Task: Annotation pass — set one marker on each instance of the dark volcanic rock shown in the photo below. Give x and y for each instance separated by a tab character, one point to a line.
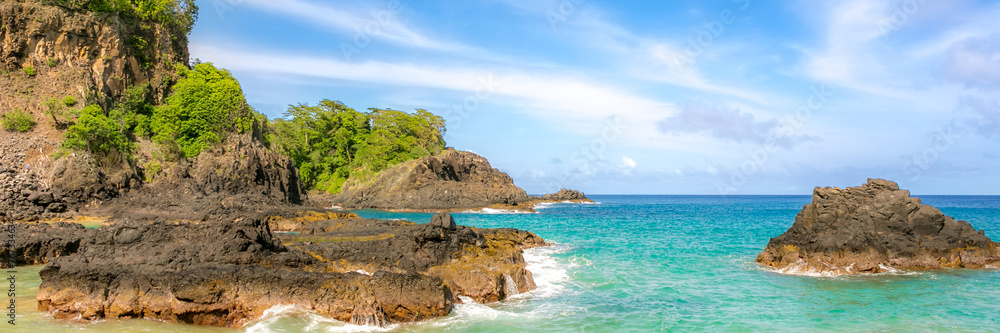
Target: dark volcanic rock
873	227
37	243
484	264
443	220
450	180
221	273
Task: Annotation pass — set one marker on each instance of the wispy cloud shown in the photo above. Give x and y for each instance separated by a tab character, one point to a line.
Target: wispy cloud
974	62
729	125
372	22
562	98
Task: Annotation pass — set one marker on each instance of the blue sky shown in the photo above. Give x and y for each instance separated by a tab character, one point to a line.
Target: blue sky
628	97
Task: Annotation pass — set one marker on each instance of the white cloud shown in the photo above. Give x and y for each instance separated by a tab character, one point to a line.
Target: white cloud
628	162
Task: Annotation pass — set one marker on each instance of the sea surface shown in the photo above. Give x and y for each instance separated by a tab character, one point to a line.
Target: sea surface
662	263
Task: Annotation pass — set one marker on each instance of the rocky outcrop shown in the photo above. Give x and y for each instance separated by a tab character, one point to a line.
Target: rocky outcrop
486	265
450	180
240	174
565	195
37	243
873	228
223	273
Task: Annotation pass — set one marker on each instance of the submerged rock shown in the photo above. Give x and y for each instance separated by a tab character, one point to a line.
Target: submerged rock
873	228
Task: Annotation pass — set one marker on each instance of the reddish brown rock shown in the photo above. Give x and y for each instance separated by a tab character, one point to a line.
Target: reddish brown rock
873	228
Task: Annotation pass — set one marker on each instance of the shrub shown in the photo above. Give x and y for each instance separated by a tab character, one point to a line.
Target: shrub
18	121
178	13
95	133
29	71
52	62
69	101
207	104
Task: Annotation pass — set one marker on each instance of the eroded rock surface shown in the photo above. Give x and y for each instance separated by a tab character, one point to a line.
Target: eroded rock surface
873	228
222	273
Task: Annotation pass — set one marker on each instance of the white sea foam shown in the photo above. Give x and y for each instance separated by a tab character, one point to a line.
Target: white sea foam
314	321
800	268
493	211
549	274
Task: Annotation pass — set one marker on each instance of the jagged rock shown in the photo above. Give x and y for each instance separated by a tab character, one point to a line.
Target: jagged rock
443	220
484	264
450	180
222	273
874	227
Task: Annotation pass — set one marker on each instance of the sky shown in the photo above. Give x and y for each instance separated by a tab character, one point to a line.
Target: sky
726	97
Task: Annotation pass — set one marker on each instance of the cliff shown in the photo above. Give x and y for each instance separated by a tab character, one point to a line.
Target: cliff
95	58
873	228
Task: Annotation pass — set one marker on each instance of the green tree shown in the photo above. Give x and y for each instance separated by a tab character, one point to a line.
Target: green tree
94	132
331	142
206	105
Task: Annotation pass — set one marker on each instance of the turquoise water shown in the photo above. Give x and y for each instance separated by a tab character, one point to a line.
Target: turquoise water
681	263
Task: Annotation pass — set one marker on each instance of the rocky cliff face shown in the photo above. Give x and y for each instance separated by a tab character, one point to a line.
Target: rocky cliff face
450	180
872	228
92	57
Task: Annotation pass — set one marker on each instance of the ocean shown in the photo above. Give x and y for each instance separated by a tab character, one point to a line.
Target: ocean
663	263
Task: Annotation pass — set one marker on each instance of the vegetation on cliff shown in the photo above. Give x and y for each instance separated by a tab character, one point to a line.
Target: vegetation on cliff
178	13
331	142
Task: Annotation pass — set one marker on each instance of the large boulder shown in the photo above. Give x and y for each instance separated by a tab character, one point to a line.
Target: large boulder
443	220
873	228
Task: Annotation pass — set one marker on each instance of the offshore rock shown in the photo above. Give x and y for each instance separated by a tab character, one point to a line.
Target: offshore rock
875	228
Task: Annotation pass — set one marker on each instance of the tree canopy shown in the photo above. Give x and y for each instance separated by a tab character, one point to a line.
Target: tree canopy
331	142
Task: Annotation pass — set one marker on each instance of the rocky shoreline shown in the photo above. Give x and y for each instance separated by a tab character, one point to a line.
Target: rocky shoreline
229	269
875	228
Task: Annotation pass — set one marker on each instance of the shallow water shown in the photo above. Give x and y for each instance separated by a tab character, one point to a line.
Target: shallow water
670	263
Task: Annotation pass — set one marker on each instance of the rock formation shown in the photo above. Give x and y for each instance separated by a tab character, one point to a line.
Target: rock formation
452	180
222	273
873	228
486	265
